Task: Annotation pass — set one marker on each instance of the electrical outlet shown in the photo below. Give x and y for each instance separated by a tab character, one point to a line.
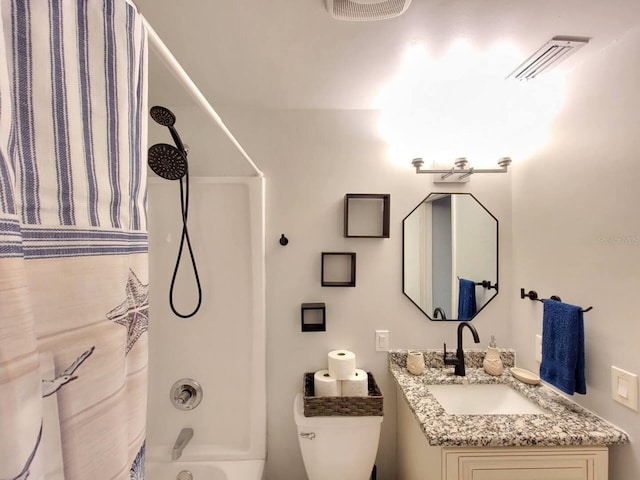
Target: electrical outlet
538	348
382	340
624	388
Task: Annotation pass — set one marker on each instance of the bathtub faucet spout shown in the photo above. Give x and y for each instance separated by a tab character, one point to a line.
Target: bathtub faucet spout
183	438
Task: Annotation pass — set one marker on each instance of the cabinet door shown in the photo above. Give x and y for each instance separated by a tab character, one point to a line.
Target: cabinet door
525	464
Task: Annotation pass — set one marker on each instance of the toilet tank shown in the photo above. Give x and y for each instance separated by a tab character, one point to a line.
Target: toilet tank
337	447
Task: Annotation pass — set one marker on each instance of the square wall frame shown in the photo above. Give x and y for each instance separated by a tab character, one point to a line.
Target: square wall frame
313	317
367	215
338	269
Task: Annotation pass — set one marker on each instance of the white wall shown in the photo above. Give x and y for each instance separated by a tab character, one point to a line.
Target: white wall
415	258
573	205
576	230
311	159
475	246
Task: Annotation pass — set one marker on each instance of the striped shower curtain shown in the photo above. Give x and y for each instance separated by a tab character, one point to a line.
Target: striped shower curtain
73	241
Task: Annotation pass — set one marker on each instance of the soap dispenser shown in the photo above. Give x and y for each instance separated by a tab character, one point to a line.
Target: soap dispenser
492	362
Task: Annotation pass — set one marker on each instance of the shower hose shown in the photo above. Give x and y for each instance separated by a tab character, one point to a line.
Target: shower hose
184	207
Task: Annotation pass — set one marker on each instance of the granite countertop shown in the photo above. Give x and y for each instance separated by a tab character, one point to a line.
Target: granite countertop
567	423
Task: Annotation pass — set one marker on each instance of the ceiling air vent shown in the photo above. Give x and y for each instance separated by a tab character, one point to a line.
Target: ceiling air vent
366	10
550	54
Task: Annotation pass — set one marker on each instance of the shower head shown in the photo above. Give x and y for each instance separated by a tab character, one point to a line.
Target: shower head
167	161
166	118
163	116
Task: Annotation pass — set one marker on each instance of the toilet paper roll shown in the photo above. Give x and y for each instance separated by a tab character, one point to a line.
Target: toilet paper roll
342	364
325	385
357	385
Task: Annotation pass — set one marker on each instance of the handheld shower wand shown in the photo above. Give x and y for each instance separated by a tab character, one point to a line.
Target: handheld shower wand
166	118
170	163
167	161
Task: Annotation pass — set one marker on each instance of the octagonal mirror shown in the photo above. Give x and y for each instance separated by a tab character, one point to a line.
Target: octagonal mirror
450	256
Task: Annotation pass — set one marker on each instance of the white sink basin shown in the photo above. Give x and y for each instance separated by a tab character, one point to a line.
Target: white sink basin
483	399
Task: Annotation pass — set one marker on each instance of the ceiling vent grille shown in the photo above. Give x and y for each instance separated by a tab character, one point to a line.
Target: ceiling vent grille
366	10
550	54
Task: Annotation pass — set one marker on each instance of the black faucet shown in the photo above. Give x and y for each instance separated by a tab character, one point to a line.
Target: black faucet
439	311
458	360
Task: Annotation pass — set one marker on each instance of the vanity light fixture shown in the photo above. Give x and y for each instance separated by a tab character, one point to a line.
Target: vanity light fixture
460	172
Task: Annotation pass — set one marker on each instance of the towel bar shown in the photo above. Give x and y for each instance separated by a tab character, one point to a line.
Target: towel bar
486	284
533	295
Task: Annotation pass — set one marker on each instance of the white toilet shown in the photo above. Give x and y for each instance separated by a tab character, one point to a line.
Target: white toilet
336	447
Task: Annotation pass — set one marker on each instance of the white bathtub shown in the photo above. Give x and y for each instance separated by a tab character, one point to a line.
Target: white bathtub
223	470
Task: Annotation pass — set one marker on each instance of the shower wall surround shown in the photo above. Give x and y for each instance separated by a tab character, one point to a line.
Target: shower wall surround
222	346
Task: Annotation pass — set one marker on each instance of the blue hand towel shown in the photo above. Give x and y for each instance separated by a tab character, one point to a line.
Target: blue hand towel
466	299
563	347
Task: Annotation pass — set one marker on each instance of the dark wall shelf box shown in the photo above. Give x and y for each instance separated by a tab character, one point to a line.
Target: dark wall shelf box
313	317
338	269
367	215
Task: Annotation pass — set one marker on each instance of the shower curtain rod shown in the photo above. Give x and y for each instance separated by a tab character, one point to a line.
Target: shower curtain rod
172	63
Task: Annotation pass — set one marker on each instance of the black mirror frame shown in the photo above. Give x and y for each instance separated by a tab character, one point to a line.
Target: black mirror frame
497	256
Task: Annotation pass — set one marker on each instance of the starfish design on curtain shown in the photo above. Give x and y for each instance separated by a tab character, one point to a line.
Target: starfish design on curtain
137	467
133	313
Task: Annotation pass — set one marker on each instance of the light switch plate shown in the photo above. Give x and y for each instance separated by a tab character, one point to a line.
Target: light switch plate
382	340
624	388
539	348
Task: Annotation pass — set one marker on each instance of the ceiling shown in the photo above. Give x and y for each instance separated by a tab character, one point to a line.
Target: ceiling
293	54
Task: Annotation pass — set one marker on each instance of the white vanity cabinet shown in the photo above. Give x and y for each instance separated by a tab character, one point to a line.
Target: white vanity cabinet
525	463
417	460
